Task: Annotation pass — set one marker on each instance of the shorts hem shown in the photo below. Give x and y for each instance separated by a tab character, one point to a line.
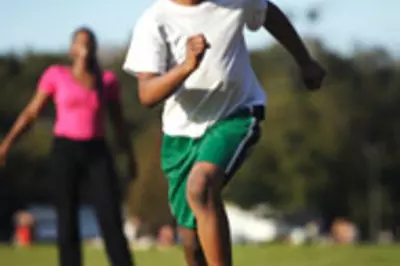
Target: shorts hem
187	226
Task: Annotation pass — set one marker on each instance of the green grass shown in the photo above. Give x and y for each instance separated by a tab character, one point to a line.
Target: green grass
243	256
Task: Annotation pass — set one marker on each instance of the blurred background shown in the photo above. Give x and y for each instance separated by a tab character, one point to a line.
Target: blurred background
327	169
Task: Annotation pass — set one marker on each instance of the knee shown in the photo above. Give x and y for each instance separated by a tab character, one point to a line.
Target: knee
200	189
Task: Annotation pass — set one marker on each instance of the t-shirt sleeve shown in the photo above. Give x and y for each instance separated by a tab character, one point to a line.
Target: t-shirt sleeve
113	91
147	50
255	11
47	82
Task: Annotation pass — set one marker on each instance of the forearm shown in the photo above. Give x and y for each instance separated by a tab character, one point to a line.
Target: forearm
281	28
119	126
157	88
121	133
19	127
124	141
127	148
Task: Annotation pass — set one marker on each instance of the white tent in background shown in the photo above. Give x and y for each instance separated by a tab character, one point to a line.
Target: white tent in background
247	227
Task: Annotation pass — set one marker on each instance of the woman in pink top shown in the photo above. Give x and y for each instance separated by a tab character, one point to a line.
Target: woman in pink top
82	95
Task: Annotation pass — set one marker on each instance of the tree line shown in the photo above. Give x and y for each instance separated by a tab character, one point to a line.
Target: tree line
335	150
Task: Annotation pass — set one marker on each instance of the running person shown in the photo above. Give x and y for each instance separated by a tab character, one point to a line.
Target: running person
192	54
82	94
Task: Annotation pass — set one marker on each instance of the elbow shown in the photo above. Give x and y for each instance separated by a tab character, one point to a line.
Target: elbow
146	99
27	117
30	115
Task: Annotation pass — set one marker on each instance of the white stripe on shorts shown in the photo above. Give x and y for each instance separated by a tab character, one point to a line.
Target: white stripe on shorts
241	146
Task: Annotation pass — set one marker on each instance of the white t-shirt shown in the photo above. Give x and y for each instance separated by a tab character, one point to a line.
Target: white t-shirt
224	81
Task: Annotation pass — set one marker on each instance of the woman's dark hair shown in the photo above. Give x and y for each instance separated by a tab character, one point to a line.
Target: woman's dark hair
92	45
93	63
89	32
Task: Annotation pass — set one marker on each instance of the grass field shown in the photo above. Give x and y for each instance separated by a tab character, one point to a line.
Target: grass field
244	256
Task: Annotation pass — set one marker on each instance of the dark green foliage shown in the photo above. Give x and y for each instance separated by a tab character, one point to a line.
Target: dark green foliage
319	150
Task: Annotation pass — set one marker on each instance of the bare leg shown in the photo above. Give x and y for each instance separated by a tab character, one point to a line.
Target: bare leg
204	197
191	247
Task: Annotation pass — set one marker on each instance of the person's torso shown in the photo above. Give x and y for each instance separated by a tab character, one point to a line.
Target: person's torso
79	110
224	81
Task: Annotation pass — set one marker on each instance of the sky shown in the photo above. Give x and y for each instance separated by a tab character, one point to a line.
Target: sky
46	25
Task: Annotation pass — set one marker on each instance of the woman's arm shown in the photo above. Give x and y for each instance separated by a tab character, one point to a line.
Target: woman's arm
122	133
26	117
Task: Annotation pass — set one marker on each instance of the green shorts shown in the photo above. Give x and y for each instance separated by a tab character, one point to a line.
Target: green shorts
225	144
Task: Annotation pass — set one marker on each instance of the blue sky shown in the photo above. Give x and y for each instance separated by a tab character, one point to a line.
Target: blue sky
47	24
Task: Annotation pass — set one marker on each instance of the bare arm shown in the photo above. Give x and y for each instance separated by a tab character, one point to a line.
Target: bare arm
122	133
154	88
27	116
281	28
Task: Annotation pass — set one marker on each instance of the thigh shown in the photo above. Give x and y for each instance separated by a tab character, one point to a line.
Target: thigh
178	155
227	144
219	153
64	171
103	183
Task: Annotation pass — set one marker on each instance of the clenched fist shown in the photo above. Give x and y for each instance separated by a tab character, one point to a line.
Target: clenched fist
195	48
312	74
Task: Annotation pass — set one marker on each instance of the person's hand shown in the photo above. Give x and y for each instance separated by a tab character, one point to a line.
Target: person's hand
195	48
3	153
312	74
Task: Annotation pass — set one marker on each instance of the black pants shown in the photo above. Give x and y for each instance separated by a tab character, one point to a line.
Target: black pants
71	162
